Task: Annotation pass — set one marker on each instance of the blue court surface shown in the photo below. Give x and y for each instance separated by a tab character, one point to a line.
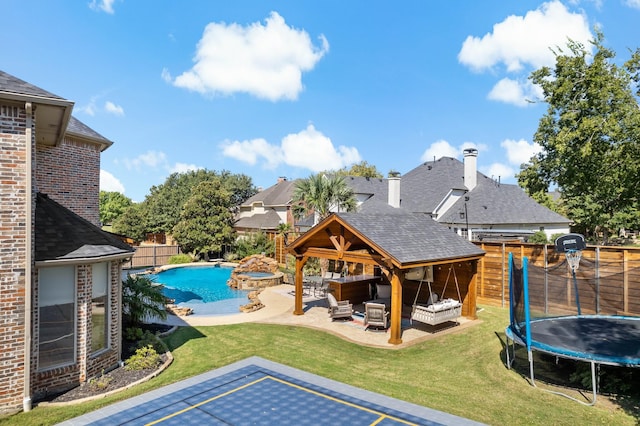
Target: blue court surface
260	392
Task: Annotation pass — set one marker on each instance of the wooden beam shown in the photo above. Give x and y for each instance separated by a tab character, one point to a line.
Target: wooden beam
300	261
395	337
356	257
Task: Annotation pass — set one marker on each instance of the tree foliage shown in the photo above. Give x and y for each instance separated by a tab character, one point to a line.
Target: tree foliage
322	194
206	220
590	137
112	205
132	222
254	243
362	169
164	202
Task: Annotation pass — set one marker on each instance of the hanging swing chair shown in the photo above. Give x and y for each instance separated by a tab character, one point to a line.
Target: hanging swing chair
438	309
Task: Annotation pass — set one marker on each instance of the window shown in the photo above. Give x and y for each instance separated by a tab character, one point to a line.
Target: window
100	307
57	308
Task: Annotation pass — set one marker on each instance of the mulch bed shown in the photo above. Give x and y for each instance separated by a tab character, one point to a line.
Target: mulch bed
114	379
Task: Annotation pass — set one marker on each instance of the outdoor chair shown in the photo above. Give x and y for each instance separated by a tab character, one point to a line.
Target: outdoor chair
341	309
375	315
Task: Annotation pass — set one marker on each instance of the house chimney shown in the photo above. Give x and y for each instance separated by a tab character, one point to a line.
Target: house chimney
282	179
470	168
394	190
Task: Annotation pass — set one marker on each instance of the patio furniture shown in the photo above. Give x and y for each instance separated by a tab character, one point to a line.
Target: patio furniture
323	287
341	309
375	315
437	311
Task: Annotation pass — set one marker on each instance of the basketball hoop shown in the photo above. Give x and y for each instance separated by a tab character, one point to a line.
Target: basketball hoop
572	245
573	259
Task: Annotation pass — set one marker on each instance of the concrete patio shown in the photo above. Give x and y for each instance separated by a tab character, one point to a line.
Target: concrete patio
279	305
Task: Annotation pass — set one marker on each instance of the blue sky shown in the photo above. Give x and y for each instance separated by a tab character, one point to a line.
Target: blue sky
290	88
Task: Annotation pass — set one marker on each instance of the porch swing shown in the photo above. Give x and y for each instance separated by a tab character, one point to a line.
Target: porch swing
438	310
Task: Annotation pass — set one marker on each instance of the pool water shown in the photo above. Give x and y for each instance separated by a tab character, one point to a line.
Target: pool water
202	288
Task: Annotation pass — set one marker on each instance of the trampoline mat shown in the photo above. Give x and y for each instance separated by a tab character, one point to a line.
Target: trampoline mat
605	339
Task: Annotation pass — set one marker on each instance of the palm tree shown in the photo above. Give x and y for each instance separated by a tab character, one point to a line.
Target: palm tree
322	194
142	299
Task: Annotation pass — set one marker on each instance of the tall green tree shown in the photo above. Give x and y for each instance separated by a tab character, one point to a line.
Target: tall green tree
132	222
590	137
206	221
322	194
112	205
164	202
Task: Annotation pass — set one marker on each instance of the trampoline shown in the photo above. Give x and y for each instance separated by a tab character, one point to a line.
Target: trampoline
596	339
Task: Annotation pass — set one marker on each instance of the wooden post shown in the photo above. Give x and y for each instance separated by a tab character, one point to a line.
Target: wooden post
472	293
298	284
396	307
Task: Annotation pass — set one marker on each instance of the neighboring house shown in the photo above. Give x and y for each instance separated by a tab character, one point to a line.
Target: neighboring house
267	209
455	194
60	274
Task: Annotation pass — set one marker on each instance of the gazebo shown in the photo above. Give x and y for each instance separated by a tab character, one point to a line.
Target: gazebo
392	244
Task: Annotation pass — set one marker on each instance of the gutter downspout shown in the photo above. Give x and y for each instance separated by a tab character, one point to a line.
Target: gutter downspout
28	274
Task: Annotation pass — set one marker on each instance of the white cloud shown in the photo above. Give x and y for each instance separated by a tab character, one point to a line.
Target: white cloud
442	148
114	109
439	149
109	182
308	149
266	61
312	150
526	40
102	5
183	168
520	151
150	159
498	171
251	151
633	3
519	93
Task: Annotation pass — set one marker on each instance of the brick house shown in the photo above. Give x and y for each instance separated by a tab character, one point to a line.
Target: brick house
60	274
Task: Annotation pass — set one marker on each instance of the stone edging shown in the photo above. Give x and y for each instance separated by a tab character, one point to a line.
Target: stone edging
129	386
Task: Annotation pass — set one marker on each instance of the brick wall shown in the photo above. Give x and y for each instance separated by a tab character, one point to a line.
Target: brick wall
13	219
70	175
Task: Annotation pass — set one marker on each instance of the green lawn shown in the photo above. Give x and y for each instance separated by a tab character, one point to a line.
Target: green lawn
461	373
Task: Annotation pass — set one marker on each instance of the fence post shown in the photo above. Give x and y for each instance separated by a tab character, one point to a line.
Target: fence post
597	272
546	279
625	281
503	277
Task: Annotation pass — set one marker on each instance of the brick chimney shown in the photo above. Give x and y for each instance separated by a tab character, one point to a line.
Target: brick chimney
282	179
470	168
394	191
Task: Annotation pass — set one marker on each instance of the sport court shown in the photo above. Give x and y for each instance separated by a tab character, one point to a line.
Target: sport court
260	392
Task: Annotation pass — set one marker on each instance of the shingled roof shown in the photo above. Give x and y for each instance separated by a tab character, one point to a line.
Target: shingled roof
79	129
411	238
61	234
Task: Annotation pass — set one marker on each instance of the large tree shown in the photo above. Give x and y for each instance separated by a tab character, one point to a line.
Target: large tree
112	205
206	220
164	202
132	222
590	137
321	194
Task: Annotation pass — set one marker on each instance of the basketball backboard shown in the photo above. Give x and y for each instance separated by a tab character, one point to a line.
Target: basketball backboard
570	242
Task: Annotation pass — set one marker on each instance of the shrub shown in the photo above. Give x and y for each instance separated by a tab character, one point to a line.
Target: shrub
142	299
180	258
100	382
133	333
538	238
144	358
255	243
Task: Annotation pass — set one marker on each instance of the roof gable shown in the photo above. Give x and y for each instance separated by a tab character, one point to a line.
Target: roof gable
276	195
404	239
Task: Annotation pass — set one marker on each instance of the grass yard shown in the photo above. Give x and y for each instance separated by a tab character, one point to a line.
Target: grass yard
461	373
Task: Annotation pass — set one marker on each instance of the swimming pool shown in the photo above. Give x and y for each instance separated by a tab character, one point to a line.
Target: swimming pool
202	288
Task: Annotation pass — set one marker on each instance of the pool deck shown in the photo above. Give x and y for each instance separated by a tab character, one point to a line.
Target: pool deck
279	304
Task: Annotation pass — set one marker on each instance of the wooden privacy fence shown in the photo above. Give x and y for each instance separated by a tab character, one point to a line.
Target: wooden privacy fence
146	256
613	273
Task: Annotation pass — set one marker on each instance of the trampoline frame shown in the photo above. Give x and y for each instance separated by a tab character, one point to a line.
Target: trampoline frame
530	344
